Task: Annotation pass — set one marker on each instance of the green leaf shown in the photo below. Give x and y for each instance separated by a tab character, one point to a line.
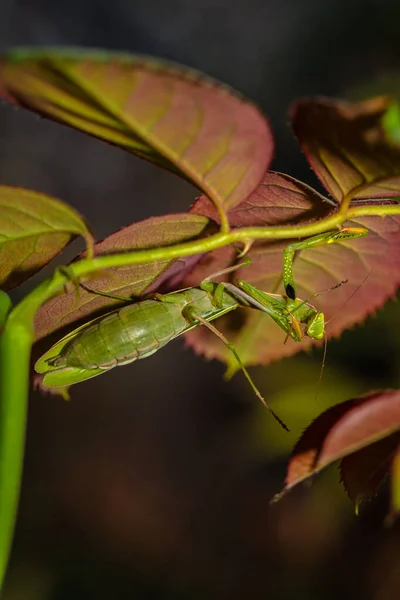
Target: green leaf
128	281
348	148
34	228
165	113
342	430
370	264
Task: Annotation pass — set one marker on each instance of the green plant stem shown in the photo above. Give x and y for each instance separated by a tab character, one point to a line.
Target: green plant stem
245	234
87	266
15	346
16	339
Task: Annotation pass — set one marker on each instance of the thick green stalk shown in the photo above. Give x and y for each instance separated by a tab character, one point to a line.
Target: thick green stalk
16	339
15	346
87	266
219	240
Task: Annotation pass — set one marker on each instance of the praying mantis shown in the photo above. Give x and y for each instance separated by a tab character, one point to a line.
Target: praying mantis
137	330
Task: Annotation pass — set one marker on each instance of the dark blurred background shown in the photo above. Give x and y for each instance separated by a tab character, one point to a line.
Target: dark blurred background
154	482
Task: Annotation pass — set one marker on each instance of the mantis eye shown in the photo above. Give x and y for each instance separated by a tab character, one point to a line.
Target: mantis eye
316	327
290	291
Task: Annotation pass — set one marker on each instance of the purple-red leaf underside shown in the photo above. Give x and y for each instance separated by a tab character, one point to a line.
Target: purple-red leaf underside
128	281
346	145
362	472
342	430
370	264
168	114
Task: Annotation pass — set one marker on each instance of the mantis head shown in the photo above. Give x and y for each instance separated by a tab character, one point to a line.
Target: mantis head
316	326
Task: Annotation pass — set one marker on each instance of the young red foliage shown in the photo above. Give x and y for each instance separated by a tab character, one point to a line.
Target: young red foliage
363	433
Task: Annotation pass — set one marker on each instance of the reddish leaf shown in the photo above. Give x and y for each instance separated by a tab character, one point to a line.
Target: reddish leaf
363	471
165	113
124	281
347	147
34	228
343	430
279	200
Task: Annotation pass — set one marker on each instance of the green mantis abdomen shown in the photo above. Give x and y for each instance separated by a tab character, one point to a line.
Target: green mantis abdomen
131	333
136	331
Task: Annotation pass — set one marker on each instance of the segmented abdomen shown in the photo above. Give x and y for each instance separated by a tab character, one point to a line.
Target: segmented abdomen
133	332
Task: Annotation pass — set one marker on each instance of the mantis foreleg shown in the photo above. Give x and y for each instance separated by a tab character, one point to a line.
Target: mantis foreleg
321	239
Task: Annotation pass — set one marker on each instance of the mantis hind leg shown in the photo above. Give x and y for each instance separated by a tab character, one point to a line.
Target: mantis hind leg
330	237
194	316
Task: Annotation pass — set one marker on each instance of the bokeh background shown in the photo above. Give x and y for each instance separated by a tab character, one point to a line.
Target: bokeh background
155	481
